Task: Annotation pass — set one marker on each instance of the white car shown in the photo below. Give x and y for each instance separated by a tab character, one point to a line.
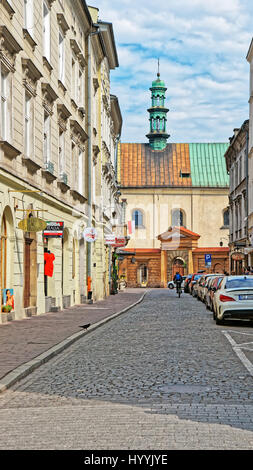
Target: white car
172	284
234	299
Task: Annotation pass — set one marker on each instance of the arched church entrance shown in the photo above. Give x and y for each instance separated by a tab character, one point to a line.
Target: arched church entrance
178	266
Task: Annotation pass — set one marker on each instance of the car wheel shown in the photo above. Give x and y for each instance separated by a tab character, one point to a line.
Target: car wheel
214	314
171	286
219	321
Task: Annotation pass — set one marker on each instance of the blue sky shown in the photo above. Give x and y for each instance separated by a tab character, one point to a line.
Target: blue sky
202	46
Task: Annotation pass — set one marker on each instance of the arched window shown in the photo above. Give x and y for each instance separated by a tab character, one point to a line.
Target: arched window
177	218
226	218
137	217
157	123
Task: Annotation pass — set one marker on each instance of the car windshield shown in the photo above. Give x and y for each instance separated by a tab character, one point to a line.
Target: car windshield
197	277
240	282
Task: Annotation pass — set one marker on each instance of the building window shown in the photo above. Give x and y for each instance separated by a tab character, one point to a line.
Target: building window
47	138
6	104
177	218
137	217
80	88
73	258
80	171
46	31
226	218
73	80
29	124
61	152
61	57
28	16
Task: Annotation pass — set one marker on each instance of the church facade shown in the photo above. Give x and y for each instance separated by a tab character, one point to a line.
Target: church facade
177	203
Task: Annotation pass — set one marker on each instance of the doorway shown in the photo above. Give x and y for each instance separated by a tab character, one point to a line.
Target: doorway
143	275
178	266
30	270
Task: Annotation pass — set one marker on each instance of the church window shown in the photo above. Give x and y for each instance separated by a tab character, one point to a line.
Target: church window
226	218
137	217
177	218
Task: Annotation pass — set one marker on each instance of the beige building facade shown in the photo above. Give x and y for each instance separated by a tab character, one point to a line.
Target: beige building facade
52	57
250	157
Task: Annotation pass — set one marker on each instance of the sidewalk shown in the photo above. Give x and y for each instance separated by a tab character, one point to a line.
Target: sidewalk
26	344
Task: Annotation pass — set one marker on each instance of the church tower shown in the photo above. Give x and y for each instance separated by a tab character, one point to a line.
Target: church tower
158	135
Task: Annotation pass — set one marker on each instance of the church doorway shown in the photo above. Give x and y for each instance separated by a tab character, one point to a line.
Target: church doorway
178	266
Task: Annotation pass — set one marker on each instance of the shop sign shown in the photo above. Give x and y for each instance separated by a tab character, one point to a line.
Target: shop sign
110	239
90	234
54	229
237	256
119	242
32	224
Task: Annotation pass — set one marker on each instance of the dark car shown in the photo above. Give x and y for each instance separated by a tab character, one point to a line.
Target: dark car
187	282
193	280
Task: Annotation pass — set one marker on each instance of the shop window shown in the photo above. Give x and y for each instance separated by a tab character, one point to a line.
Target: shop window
3	252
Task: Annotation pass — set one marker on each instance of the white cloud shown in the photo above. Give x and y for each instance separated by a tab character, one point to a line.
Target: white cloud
202	47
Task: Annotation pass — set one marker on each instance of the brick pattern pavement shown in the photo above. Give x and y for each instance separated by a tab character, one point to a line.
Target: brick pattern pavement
161	376
23	340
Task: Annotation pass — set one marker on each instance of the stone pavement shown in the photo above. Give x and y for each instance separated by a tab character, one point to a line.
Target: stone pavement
26	344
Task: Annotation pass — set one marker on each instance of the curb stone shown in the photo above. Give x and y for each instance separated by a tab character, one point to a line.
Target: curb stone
25	369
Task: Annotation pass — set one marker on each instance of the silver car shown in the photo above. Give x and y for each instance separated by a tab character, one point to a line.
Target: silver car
234	299
172	284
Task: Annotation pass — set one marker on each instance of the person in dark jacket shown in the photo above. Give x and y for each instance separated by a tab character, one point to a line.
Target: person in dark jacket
178	280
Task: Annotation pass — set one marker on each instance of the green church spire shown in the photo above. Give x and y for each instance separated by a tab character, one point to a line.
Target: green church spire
157	135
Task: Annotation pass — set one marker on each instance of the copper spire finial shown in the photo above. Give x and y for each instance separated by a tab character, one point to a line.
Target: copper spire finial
158	73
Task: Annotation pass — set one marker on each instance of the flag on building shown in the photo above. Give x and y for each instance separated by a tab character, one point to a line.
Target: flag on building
131	226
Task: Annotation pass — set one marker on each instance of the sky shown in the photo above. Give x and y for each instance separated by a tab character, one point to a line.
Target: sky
202	47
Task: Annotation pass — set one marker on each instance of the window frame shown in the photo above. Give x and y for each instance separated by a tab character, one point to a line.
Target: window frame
138	225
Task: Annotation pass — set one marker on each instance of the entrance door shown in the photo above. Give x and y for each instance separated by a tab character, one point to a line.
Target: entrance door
178	266
27	271
143	275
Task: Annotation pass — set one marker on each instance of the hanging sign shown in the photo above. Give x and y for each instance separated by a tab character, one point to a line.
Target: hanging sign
32	224
237	256
54	229
119	242
90	234
110	239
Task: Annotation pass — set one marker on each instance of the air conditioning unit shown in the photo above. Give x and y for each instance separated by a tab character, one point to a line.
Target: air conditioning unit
49	166
63	178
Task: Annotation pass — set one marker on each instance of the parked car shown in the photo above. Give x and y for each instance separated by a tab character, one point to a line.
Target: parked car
204	286
212	287
234	299
172	284
187	282
195	288
193	280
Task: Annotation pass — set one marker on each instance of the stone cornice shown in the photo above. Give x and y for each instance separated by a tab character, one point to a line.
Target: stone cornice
9	47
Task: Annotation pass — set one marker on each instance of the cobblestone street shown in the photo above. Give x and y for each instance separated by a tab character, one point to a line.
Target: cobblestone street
161	376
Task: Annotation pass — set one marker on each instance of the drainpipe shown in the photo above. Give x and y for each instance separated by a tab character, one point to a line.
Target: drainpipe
89	246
